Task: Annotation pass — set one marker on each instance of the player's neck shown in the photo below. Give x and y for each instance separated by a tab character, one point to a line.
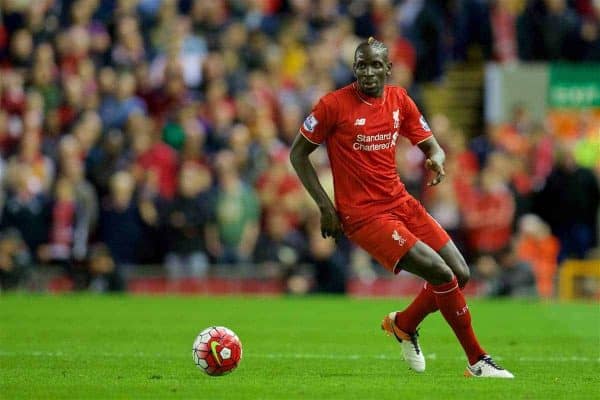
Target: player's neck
367	98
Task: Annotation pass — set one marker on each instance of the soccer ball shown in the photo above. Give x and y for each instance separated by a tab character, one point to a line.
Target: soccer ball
217	350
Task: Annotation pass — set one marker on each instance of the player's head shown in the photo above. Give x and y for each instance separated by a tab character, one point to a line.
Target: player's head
371	67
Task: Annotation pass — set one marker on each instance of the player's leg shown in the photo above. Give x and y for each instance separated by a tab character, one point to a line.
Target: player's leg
387	240
455	260
424	227
425	262
425	303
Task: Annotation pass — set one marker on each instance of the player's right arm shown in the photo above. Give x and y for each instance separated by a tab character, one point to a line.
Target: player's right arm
299	156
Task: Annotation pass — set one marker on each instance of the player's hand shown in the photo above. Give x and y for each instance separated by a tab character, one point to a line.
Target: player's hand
436	167
330	223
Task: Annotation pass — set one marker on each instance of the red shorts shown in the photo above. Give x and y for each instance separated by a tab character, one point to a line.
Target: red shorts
390	235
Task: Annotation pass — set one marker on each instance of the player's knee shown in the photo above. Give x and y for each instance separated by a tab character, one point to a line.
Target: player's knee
441	274
463	275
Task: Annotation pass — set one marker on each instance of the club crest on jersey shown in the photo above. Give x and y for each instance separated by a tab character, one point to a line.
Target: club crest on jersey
397	237
396	116
310	122
424	124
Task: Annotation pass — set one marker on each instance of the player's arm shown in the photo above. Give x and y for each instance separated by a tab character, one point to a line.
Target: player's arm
435	158
301	149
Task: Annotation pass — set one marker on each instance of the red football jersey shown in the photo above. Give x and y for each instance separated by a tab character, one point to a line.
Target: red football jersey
360	133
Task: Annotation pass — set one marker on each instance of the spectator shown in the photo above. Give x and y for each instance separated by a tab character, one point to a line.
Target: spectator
121	226
15	260
539	248
26	210
103	274
186	218
506	275
233	230
488	211
569	202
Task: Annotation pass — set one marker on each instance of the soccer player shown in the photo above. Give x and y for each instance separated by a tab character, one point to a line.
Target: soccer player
360	124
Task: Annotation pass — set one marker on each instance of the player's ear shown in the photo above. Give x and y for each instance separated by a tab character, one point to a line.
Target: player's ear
388	71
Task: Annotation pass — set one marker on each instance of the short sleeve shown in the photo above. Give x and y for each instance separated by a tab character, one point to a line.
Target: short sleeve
319	123
414	127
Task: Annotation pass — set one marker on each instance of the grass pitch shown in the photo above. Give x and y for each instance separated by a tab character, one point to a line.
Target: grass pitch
83	346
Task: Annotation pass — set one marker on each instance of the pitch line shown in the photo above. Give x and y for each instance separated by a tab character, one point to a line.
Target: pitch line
298	356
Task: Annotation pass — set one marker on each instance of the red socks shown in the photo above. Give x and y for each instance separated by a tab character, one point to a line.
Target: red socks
453	307
423	304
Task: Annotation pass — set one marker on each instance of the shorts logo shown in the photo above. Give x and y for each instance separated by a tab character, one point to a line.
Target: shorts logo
360	122
309	123
424	124
396	236
396	117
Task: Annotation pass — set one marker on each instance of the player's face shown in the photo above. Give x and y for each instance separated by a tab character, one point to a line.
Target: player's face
371	68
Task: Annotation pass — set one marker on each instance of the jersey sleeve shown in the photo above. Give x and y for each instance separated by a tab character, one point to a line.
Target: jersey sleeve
414	127
320	122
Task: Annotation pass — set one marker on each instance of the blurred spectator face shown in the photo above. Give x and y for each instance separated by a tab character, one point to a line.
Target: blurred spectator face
277	226
35	101
214	67
79	40
88	130
235	36
126	86
22	45
44	53
555	6
141	142
64	190
3	122
402	75
30	147
487	267
565	158
193	180
108	80
114	142
42	74
82	10
69	148
73	91
533	226
32	122
491	181
122	186
73	169
291	119
100	260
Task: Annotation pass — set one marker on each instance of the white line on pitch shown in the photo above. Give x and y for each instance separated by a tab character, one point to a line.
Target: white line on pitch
299	356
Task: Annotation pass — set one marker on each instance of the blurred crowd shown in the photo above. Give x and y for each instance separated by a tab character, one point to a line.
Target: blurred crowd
157	132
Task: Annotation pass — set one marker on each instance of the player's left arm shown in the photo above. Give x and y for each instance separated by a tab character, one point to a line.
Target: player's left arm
435	158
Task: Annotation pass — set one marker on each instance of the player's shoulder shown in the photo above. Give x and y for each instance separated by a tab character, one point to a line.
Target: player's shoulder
396	90
339	96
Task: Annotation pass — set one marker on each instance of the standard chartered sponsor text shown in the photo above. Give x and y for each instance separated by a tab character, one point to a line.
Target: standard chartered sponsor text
365	142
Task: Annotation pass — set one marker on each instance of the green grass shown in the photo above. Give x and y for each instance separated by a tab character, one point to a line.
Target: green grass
82	346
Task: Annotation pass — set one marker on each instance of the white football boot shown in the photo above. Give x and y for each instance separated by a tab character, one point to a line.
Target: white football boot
411	351
487	368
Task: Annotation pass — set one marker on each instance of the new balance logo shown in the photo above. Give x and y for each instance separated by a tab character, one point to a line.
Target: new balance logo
396	236
360	122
